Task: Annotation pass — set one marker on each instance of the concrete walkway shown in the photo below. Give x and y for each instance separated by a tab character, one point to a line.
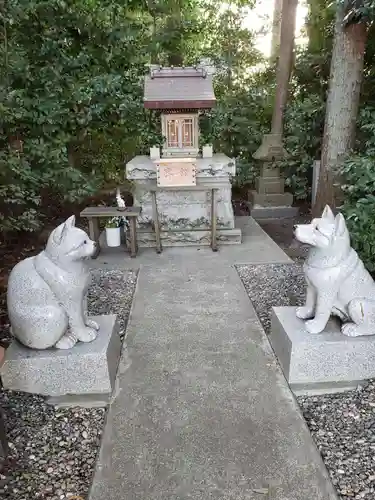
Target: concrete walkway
202	410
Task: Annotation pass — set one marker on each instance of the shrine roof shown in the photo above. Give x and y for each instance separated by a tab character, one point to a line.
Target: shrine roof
178	88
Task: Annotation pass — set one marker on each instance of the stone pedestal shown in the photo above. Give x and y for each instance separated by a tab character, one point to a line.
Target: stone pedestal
270	200
324	363
88	370
185	216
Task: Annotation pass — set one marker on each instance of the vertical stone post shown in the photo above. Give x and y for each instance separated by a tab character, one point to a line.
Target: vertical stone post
269	199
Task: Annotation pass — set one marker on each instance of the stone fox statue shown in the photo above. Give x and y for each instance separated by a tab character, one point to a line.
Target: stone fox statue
47	293
337	281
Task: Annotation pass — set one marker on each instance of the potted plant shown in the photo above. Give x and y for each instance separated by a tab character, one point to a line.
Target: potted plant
112	231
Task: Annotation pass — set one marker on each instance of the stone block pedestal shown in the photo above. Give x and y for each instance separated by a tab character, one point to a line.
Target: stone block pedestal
325	363
88	370
185	216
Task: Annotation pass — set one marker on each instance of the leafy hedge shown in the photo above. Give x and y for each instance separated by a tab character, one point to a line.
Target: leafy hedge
358	176
70	102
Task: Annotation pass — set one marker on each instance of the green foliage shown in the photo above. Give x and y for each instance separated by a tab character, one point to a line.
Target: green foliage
304	122
228	45
71	101
114	222
71	96
71	90
244	99
240	120
358	175
320	25
178	30
358	11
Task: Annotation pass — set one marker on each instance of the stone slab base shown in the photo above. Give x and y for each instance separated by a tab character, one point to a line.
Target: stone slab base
271	199
82	400
146	239
86	369
259	212
324	363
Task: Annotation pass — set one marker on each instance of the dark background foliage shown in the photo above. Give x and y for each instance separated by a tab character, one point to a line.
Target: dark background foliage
71	99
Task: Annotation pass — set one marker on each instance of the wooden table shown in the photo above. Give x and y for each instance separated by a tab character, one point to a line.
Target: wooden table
155	215
93	214
4	447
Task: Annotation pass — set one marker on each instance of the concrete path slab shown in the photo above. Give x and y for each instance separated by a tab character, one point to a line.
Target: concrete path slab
202	410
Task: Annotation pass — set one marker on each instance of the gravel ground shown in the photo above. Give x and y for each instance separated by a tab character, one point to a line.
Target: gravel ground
270	285
53	451
342	425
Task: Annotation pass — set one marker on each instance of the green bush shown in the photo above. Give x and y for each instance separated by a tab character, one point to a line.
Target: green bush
237	125
358	184
71	102
304	121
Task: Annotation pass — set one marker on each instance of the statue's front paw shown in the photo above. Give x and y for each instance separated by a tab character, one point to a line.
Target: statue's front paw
314	326
350	330
86	334
92	324
67	341
304	312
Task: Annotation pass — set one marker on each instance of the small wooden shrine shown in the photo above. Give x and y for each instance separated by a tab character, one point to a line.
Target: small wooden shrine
179	93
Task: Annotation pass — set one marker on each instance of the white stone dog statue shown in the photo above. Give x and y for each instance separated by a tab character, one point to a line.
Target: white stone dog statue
337	281
47	293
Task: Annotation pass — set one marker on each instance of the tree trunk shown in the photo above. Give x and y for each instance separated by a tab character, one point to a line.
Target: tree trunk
284	66
276	28
342	106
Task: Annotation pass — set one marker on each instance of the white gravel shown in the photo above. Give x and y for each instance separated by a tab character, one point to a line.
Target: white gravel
342	425
53	451
271	285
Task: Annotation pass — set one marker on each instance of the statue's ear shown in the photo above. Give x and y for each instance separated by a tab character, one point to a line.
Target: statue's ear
60	232
328	214
340	224
70	222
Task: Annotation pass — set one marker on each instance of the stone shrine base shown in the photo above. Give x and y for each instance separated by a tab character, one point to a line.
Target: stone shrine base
264	212
189	238
185	215
324	363
82	376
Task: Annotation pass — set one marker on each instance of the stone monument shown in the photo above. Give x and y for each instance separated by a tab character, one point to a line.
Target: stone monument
314	349
270	200
179	94
58	349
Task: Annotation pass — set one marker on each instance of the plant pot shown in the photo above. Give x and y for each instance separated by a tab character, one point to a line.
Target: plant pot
207	151
113	236
155	153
